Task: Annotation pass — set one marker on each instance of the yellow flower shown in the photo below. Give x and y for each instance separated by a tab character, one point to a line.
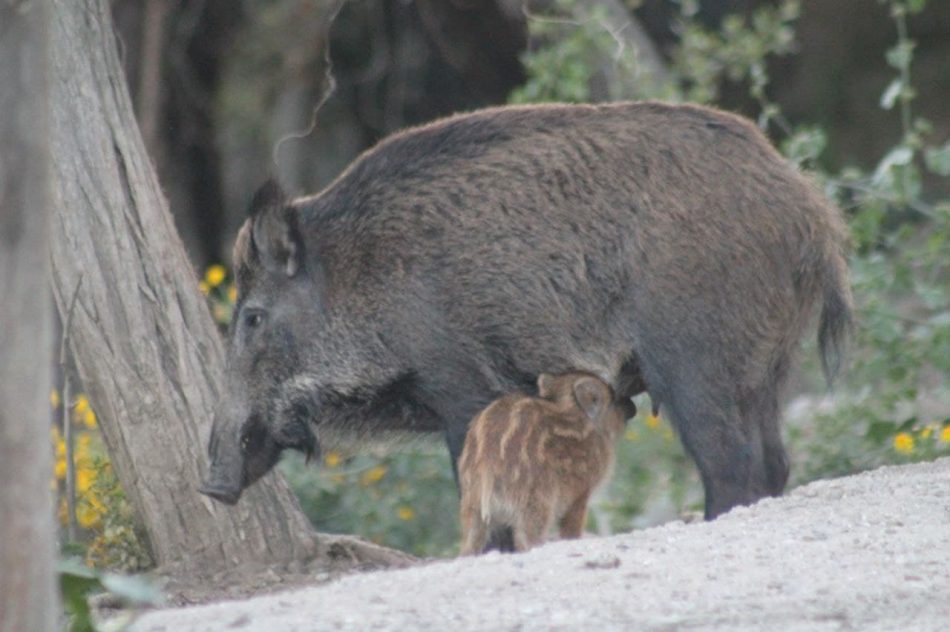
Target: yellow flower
405	513
632	435
60	449
214	275
232	293
83	442
84	479
81	405
926	432
54	434
332	459
652	421
60	469
945	434
89	419
87	516
203	287
373	475
54	398
83	460
904	442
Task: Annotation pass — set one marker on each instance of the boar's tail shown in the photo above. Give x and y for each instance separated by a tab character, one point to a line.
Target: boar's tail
836	314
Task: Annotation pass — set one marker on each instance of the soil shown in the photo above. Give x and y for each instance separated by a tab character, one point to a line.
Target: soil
865	552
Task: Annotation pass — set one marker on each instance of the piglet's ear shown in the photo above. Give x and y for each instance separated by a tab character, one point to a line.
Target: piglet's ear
592	396
275	233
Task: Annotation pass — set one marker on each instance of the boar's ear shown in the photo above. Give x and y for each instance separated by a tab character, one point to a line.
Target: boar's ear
546	386
591	396
275	234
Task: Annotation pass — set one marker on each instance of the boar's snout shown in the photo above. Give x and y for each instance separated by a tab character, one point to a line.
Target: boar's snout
220	492
223	483
226	473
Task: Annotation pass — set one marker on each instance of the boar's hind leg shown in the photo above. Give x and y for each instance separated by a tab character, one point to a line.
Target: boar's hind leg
729	455
760	410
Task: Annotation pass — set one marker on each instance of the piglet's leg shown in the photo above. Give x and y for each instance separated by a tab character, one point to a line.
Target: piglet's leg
474	530
534	524
575	518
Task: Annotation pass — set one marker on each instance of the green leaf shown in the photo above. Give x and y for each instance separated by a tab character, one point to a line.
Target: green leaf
75	582
899	56
880	431
805	144
897	157
938	160
135	590
889	98
908	425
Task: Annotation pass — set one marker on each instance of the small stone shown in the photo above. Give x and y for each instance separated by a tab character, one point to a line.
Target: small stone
240	622
605	560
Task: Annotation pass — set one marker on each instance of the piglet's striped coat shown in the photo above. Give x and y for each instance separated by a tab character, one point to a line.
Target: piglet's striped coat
531	462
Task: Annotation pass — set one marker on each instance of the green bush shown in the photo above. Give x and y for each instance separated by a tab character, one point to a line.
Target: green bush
405	499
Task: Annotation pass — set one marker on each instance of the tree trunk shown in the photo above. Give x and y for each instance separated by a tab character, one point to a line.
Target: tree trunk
27	597
141	335
172	54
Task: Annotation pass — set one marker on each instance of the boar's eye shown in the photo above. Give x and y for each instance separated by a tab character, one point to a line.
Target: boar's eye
253	318
252	437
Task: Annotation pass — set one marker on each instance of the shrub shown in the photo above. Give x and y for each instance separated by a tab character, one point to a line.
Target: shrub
107	535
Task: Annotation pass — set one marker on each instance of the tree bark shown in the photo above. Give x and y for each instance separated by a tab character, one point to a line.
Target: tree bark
28	600
142	338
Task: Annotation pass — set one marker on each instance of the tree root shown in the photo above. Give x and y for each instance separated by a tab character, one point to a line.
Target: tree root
329	557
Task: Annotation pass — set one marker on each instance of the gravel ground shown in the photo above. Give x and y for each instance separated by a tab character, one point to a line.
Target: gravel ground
865	552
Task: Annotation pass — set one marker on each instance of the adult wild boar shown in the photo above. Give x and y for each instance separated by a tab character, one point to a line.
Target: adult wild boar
666	248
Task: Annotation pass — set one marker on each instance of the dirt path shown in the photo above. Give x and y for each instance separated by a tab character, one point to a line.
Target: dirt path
866	552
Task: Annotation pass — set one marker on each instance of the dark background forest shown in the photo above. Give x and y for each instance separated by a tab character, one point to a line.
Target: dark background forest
217	83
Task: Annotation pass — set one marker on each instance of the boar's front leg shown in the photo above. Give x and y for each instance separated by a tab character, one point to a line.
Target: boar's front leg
457	409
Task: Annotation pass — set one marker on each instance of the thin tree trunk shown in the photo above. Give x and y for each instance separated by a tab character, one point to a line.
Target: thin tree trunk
27	597
627	32
142	338
150	74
